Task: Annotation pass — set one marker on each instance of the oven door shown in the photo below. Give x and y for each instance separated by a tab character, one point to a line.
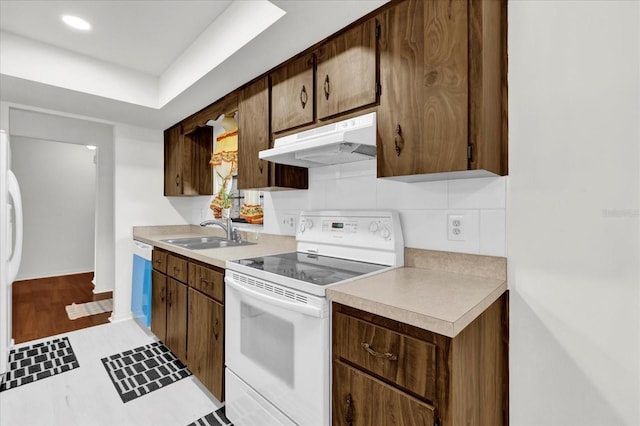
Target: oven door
277	342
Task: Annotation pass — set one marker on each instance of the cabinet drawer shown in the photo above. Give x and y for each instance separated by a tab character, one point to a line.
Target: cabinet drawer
207	280
177	268
405	361
159	259
361	400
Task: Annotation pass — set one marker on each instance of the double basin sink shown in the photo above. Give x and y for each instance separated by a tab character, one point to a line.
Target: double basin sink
202	243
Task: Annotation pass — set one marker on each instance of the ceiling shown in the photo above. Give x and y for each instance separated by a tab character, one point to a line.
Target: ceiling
152	63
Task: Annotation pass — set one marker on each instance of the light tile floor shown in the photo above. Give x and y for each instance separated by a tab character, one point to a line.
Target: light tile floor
86	395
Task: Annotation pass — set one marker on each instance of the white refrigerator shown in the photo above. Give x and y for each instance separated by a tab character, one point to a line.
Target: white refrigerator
10	243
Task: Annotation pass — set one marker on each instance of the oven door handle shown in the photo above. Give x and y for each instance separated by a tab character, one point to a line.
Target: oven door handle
312	311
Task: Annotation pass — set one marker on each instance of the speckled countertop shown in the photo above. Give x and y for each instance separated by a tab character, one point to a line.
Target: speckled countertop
442	302
438	291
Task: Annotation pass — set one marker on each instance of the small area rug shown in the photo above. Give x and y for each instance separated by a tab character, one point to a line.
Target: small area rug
75	311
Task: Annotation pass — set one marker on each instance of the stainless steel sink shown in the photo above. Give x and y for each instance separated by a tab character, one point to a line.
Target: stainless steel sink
202	243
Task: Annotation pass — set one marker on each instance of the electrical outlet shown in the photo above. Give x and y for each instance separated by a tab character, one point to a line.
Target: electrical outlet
455	227
289	222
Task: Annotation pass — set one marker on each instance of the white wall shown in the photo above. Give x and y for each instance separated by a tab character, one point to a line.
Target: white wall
573	219
423	207
57	181
139	201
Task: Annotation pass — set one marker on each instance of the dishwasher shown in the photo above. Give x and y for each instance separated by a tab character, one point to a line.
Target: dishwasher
141	283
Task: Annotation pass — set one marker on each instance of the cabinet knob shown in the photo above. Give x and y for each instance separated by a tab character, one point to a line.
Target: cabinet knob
398	140
303	97
327	87
348	411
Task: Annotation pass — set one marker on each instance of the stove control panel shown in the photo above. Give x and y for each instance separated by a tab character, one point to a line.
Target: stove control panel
361	234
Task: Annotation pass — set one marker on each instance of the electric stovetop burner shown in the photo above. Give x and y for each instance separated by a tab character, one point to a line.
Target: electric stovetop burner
310	268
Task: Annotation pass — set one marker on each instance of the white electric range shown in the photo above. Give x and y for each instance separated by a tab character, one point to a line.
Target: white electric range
277	320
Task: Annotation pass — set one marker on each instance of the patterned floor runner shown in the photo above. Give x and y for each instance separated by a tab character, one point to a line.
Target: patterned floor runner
218	418
138	371
38	361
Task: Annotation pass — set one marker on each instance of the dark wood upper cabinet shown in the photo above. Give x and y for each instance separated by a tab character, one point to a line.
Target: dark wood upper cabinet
292	96
186	156
443	78
188	146
254	136
346	71
434	71
173	160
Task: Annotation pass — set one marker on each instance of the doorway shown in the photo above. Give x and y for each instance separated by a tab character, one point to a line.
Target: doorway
58	185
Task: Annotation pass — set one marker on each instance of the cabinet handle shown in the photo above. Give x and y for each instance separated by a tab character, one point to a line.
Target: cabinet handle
203	281
260	165
387	355
398	140
157	261
348	411
327	87
303	97
216	329
178	179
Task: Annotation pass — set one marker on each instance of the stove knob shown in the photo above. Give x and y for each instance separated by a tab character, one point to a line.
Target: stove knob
385	233
309	223
373	227
301	226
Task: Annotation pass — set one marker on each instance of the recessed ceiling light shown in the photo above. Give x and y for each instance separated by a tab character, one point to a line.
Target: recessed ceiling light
77	23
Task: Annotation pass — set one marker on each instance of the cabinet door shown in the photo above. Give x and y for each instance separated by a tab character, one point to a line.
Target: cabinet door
292	94
197	173
361	400
173	178
177	319
346	74
205	352
159	305
253	135
423	113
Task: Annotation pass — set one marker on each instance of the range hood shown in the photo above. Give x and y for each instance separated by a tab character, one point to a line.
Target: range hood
345	141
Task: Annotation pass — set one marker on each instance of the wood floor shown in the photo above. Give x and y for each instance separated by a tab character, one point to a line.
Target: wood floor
38	306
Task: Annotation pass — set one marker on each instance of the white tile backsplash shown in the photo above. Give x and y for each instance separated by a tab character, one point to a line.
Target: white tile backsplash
493	232
480	193
423	206
397	195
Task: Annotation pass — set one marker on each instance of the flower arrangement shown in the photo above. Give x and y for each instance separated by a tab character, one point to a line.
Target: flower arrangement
223	199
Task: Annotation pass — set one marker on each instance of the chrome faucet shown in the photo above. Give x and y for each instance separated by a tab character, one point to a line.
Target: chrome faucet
232	233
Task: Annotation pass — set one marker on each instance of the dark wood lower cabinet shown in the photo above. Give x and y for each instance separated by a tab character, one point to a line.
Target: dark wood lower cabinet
360	399
187	315
159	305
389	373
176	339
205	342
